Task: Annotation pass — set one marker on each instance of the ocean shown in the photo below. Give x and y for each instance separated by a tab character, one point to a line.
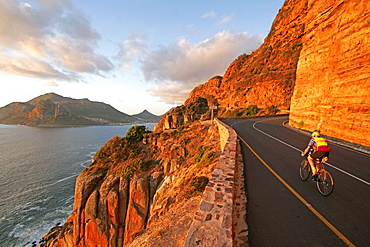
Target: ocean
38	169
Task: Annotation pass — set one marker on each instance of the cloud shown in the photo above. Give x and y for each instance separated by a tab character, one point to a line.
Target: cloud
32	67
209	14
133	46
176	69
50	40
225	19
51	84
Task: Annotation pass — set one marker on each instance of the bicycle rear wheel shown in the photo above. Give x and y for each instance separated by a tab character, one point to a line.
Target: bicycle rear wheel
325	183
304	170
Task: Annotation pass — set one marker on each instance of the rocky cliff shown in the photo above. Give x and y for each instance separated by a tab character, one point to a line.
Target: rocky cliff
314	62
133	189
332	91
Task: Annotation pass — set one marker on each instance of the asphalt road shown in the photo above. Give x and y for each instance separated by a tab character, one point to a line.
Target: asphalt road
301	216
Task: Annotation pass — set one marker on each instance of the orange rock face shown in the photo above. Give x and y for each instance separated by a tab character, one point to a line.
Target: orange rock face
332	89
116	198
138	207
266	77
314	62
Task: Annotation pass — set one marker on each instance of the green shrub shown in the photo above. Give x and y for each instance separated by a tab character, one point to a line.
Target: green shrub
115	150
208	157
199	183
199	155
136	166
251	110
272	109
204	155
136	133
207	115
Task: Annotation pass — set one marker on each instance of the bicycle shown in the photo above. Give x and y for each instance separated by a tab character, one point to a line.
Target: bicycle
324	181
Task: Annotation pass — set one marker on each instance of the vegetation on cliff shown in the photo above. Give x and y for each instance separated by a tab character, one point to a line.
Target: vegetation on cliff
141	186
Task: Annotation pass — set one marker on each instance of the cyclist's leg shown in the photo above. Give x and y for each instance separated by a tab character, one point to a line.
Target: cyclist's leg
312	164
320	155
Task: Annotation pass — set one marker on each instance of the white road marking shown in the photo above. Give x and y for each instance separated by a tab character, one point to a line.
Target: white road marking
299	150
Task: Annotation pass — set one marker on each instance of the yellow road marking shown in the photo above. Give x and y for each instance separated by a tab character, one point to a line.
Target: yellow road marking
309	206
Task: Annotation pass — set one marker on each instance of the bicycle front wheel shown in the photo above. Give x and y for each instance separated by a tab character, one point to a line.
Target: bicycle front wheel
304	170
325	183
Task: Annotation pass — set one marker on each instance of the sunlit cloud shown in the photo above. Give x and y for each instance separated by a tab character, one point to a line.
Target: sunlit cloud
32	67
49	40
51	84
177	68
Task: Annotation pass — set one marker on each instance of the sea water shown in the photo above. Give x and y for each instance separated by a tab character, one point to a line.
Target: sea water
38	169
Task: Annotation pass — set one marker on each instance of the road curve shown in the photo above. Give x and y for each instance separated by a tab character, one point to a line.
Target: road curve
282	209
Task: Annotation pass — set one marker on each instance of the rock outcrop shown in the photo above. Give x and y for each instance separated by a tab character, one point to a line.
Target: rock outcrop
131	186
195	108
332	89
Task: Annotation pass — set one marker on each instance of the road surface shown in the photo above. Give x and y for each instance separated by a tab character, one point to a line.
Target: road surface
283	210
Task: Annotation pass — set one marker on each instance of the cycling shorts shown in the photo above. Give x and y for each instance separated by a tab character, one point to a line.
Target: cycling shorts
319	154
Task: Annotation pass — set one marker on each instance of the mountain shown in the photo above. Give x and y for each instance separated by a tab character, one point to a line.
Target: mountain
54	110
147	117
313	64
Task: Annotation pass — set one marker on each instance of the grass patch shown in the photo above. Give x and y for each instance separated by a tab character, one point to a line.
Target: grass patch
135	166
204	155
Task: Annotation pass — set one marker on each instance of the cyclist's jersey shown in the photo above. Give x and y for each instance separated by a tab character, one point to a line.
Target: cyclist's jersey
319	144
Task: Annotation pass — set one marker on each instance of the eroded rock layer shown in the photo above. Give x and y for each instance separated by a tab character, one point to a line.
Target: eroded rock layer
332	91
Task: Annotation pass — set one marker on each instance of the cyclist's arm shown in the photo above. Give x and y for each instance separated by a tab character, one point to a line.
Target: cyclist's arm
306	151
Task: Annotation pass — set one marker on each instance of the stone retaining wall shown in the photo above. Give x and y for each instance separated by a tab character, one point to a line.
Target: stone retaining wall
221	218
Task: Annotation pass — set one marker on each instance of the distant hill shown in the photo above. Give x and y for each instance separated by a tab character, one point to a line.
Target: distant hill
147	117
55	110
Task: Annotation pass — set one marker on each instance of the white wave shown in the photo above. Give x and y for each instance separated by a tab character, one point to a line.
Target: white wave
36	208
85	163
69	200
27	234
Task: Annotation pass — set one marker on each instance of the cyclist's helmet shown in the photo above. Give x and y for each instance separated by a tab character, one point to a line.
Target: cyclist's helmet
316	133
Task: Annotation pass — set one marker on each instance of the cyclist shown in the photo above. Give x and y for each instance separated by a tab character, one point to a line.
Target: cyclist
317	148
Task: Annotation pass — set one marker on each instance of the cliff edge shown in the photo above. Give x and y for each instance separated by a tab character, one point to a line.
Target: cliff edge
140	189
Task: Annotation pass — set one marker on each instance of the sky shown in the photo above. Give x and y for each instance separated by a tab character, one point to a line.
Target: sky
131	54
